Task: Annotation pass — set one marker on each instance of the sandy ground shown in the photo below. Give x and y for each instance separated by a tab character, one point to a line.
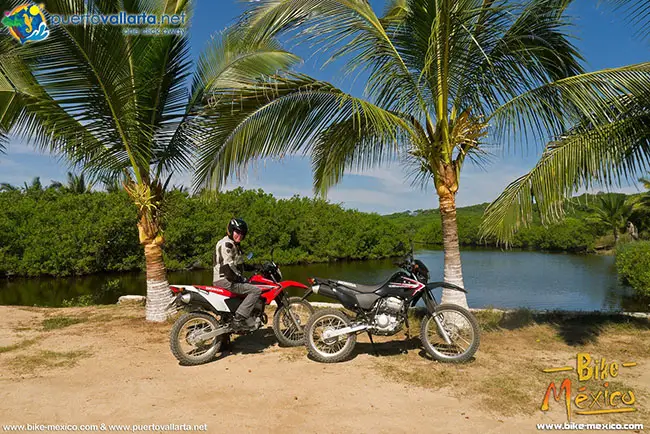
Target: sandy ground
114	368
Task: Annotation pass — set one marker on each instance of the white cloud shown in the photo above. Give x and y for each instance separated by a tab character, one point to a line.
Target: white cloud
478	186
393	178
361	196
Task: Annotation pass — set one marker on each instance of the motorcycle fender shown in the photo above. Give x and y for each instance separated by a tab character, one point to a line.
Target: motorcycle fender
429	300
209	301
340	294
432	285
290	283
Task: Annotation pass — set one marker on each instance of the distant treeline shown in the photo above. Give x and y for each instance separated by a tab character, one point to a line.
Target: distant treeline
576	233
57	232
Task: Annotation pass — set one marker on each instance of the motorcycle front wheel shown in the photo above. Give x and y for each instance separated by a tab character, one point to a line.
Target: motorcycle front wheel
286	331
460	327
185	338
334	349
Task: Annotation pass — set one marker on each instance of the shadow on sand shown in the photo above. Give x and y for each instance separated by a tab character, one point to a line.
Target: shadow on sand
575	328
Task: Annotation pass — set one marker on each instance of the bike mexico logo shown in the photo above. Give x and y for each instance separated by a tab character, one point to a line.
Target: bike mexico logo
26	23
598	392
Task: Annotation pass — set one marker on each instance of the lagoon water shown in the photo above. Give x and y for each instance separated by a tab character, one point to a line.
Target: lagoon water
504	279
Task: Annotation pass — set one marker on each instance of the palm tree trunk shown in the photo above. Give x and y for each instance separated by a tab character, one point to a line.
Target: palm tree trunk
615	236
453	272
158	293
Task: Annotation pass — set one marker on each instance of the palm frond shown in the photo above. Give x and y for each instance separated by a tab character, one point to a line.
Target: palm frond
347	29
549	110
637	13
29	111
233	58
358	142
229	60
124	95
282	116
83	71
586	156
645	182
523	47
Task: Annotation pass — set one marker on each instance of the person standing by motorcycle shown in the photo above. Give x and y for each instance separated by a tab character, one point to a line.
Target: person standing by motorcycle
227	272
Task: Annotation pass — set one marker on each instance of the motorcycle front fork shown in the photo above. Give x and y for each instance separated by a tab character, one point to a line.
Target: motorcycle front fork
283	301
430	303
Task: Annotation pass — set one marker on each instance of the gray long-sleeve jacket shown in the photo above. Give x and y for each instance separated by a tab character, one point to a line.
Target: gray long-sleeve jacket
228	261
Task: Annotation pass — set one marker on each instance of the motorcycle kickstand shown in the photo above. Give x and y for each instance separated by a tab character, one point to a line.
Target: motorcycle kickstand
226	345
374	349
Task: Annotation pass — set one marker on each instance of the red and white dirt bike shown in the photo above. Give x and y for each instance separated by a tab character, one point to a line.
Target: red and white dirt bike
200	333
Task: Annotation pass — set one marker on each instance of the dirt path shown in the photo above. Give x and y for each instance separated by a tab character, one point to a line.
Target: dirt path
113	368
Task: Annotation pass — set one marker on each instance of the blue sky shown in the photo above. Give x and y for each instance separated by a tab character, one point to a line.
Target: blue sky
603	37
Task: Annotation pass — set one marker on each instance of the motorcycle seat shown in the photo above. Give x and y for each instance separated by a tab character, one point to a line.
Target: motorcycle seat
221	291
363	289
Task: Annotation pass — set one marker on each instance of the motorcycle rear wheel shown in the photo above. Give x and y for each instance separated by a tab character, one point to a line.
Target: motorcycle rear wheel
183	339
331	350
284	328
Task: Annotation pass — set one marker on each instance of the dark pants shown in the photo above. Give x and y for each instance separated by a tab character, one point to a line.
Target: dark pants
252	292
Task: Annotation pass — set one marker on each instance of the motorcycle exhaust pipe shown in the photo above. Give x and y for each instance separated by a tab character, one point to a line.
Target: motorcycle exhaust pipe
329	334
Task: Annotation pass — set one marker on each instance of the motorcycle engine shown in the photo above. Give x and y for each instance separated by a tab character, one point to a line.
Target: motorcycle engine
387	319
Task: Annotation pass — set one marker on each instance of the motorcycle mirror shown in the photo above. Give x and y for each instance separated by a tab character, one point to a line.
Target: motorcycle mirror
249	256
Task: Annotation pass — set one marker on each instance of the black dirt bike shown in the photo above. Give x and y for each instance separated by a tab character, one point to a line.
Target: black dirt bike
449	333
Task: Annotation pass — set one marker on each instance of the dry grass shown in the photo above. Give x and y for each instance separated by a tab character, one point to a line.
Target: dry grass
59	322
506	372
293	354
45	359
19	346
488	319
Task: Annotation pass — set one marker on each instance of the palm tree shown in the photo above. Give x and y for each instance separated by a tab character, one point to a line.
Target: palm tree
613	211
112	185
117	104
34	186
56	185
444	78
77	184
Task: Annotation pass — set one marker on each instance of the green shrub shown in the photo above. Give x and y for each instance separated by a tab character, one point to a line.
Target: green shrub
633	265
62	234
82	300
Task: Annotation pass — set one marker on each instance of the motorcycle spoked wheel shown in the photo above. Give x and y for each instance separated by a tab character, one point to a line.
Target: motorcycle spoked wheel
284	328
462	329
185	342
331	350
